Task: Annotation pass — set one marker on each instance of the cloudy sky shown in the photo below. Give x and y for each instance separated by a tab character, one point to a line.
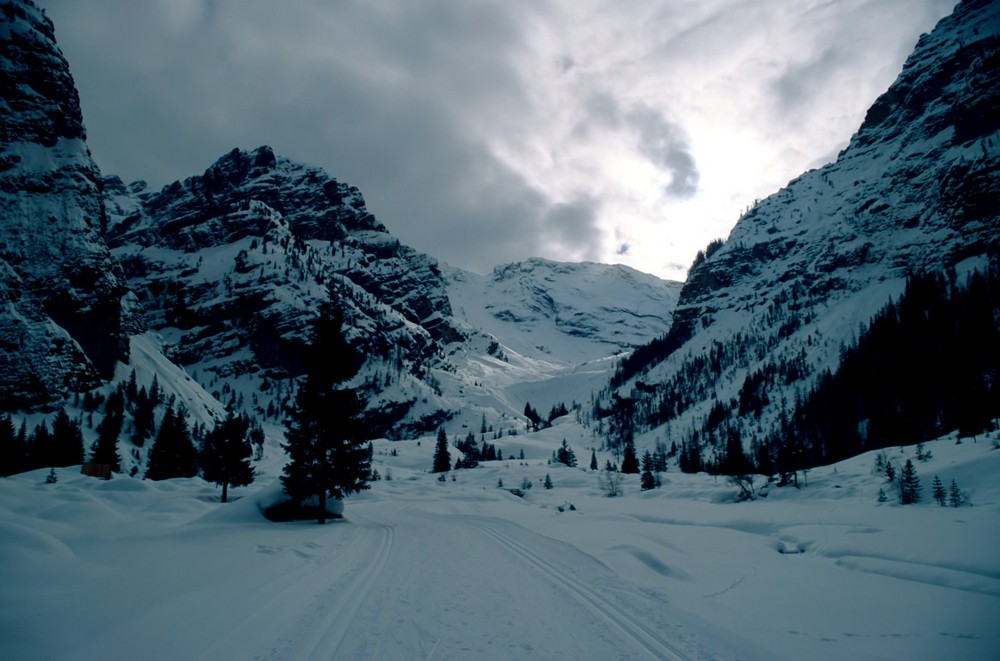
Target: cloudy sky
489	131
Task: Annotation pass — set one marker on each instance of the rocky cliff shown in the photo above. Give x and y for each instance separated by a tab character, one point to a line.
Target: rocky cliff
60	290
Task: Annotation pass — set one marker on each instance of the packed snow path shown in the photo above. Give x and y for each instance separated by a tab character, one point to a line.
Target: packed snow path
397	583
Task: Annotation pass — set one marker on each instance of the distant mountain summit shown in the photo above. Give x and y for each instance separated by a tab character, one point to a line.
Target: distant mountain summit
917	189
567	313
60	318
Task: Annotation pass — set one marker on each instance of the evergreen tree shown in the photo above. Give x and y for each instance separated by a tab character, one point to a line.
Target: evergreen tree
955	497
937	490
647	480
327	456
565	455
593	459
689	459
735	460
630	463
533	416
67	441
143	417
41	450
909	485
172	453
225	454
105	448
548	482
442	458
13	449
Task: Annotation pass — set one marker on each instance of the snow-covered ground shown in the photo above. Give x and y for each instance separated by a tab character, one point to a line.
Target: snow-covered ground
463	569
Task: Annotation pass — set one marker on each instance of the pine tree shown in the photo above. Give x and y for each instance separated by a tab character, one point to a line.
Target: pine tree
13	450
593	459
172	453
142	417
548	482
630	463
67	441
909	485
41	450
937	489
565	455
955	497
327	455
442	458
225	454
105	448
647	480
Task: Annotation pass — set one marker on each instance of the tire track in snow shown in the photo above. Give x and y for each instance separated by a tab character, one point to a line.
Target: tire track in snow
604	609
338	621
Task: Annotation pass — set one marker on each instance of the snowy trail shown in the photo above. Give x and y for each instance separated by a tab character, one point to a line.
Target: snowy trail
466	586
336	624
639	635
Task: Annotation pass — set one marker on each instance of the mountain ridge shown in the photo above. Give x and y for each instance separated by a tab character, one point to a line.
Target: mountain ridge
807	267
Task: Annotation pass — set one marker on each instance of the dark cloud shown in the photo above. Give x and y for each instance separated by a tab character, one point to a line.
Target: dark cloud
660	141
490	131
395	98
664	144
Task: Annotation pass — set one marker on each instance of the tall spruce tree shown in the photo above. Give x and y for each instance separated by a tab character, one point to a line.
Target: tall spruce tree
565	455
324	433
105	448
172	453
13	449
630	462
937	489
647	479
225	454
909	485
67	441
442	458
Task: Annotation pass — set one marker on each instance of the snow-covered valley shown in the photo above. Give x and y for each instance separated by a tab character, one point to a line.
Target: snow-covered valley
134	320
420	568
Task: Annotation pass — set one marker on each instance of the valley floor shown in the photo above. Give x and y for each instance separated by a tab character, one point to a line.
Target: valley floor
463	569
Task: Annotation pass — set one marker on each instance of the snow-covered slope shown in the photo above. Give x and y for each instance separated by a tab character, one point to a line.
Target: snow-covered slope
94	569
60	290
561	312
918	188
545	333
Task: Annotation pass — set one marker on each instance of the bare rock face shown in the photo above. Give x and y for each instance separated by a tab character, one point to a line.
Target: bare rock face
60	290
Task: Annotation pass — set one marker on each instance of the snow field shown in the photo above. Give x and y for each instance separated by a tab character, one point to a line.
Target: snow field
464	569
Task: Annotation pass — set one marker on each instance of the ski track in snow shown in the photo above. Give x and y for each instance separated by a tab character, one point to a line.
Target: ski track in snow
639	635
337	622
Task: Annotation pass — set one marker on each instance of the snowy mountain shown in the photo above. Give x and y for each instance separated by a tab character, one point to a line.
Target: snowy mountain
219	276
917	189
566	313
229	267
60	319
